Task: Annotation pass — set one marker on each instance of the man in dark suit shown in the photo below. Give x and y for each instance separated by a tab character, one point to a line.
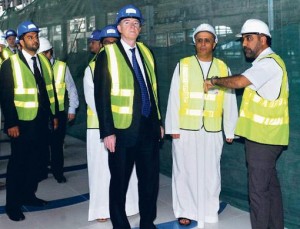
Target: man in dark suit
28	103
130	123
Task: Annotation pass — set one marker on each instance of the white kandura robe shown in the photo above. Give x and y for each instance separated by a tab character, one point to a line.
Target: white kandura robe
98	170
196	179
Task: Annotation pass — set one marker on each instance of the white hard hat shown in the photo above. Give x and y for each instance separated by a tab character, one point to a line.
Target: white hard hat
254	26
45	45
205	28
2	38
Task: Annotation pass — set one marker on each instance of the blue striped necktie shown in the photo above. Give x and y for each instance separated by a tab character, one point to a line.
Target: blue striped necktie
146	107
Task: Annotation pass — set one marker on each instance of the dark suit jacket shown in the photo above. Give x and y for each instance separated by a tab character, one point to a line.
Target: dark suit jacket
102	87
28	128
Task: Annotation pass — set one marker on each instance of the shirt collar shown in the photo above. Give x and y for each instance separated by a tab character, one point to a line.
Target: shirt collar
52	60
27	55
126	46
12	49
266	52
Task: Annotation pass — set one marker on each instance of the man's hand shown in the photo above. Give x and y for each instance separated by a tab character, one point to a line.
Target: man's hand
175	136
13	132
229	140
207	85
55	123
162	132
71	117
110	143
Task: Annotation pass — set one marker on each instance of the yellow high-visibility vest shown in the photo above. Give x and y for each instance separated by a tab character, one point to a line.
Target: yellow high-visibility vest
92	119
25	89
198	109
122	89
59	71
6	53
265	121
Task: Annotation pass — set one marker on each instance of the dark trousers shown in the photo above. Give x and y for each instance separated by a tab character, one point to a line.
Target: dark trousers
266	210
24	167
144	154
56	146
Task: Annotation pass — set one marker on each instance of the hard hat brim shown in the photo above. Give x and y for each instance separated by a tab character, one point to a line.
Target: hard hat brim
239	35
141	20
200	31
29	31
93	39
10	36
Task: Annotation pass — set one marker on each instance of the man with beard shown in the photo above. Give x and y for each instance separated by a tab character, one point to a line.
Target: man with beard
263	121
28	103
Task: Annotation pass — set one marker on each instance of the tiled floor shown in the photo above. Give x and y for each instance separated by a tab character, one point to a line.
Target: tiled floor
68	207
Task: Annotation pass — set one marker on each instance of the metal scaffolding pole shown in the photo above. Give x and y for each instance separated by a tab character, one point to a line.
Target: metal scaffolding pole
271	14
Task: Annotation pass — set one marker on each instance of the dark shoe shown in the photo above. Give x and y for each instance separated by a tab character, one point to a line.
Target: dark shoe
36	202
147	225
15	214
184	221
61	179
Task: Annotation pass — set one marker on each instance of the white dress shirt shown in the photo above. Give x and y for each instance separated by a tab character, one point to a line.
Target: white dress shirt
137	54
30	61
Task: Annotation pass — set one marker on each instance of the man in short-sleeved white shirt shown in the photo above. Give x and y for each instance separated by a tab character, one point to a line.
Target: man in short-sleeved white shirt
265	76
263	121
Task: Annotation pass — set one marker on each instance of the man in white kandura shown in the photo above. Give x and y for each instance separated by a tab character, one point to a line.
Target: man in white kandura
194	121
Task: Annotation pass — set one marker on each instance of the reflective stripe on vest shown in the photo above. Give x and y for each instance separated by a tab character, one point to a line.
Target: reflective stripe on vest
25	91
92	119
59	71
197	108
48	77
265	121
122	91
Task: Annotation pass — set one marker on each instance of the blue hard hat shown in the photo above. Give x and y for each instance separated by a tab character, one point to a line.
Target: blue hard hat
109	31
26	27
95	35
10	32
129	11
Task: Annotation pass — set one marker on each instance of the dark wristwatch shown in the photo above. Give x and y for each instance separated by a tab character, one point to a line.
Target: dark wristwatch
212	80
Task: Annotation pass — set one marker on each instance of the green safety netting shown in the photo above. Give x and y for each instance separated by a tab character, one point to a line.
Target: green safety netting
167	30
